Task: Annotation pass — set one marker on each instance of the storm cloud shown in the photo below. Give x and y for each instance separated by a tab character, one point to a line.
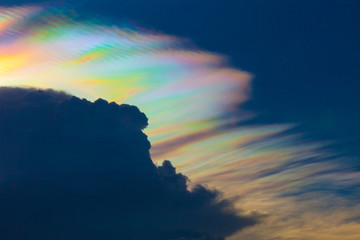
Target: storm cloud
74	169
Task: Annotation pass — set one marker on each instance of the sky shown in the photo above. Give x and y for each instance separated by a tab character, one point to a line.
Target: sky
255	98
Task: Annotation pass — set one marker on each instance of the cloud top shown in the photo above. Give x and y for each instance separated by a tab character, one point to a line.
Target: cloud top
74	169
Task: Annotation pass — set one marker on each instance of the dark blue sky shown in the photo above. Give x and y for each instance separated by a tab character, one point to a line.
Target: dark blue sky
304	54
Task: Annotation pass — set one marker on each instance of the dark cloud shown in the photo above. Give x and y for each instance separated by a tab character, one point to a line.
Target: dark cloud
73	169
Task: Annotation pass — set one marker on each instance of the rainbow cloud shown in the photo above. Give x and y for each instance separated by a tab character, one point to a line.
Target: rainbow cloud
193	100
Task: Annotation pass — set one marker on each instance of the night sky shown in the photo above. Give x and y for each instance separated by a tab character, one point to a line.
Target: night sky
258	99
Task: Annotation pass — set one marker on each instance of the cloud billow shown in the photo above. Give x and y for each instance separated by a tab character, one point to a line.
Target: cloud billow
73	169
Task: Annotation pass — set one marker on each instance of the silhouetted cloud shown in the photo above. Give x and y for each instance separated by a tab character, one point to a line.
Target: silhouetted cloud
73	169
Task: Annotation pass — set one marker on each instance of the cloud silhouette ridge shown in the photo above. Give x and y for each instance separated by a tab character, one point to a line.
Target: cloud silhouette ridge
74	169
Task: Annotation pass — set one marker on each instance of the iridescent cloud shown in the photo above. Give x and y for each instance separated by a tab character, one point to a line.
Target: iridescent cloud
193	100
